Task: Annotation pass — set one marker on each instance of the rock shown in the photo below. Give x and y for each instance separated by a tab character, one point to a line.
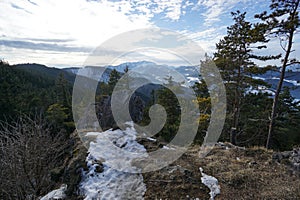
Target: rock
286	154
290	158
74	167
99	168
277	156
56	194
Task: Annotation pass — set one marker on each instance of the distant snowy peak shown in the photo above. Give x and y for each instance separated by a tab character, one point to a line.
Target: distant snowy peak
294	68
131	65
191	73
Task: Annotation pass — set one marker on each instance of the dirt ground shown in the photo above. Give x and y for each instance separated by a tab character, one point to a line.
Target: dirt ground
242	174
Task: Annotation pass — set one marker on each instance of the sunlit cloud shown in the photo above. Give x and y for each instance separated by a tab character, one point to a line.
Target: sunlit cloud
66	32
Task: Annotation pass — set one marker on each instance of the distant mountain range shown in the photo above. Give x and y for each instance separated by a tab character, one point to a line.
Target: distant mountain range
191	73
43	71
292	80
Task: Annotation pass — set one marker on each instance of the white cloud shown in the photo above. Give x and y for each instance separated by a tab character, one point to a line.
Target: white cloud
215	8
78	23
208	38
56	31
173	8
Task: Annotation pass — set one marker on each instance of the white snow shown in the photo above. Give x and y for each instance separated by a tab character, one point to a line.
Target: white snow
258	78
116	181
168	148
56	194
151	139
259	89
294	82
193	79
212	183
297	101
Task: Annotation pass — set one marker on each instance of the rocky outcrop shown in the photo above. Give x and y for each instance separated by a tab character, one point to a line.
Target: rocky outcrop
74	166
290	158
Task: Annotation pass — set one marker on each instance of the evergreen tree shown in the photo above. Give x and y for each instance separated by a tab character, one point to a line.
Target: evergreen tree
166	98
283	23
234	58
286	131
63	91
113	79
204	103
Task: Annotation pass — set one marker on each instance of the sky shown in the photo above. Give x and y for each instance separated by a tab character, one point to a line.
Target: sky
65	33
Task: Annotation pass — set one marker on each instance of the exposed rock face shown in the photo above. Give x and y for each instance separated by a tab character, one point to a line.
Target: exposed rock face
291	158
74	166
295	158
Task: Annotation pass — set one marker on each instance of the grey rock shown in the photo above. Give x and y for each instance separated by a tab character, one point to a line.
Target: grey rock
293	158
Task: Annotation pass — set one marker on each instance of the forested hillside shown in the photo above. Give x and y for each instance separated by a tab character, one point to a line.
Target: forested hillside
256	156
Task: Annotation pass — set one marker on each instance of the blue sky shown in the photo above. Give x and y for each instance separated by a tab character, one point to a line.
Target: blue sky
64	33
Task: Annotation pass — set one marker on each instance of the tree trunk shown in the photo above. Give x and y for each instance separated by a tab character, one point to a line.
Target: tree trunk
233	134
236	112
279	86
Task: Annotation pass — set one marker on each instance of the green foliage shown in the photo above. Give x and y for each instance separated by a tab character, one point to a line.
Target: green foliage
282	22
20	92
113	79
204	104
287	124
57	115
24	92
166	98
254	119
234	58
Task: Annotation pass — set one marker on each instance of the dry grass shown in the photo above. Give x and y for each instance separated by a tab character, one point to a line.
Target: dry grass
242	173
251	174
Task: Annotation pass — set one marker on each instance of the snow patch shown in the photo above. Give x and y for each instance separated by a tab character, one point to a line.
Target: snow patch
112	183
258	78
297	101
259	89
294	82
193	79
212	183
151	139
168	148
56	194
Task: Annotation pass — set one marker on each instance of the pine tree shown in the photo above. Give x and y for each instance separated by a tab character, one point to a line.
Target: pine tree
234	58
282	22
203	101
63	92
287	122
113	79
167	99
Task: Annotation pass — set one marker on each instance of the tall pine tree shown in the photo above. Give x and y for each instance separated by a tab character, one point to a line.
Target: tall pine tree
282	22
234	58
